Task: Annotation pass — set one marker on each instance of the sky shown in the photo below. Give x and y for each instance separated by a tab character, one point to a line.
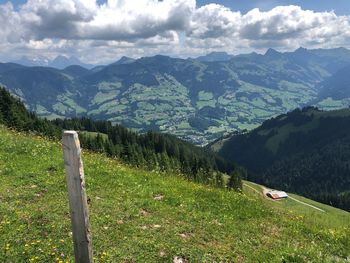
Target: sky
104	30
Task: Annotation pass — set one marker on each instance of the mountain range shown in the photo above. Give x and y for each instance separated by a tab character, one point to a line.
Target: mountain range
196	99
59	62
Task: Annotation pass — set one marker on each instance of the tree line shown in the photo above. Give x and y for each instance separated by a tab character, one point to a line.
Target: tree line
152	151
313	161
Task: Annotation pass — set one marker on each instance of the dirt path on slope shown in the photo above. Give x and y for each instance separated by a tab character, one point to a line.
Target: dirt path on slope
265	190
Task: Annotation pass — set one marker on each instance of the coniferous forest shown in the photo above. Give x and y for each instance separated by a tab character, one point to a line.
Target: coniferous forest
153	151
306	151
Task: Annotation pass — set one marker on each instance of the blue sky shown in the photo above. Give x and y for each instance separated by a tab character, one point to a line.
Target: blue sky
341	7
181	28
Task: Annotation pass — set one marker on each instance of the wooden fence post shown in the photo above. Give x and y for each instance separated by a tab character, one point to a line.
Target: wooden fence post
77	197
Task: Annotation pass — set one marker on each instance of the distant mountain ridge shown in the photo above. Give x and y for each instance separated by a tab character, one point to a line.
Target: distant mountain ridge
195	100
336	87
59	62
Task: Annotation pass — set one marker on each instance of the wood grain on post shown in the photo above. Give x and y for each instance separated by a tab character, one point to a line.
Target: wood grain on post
77	197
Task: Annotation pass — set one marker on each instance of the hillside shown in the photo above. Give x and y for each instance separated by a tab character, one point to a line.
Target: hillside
152	151
304	151
336	88
191	221
196	99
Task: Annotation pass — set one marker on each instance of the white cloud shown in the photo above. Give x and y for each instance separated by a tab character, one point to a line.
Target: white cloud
284	27
115	20
146	27
10	22
213	21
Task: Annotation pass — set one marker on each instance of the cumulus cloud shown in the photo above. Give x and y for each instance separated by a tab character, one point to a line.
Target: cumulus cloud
55	18
10	23
116	20
147	27
213	21
283	26
290	22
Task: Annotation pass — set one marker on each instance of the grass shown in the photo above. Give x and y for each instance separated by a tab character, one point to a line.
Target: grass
331	218
94	134
331	104
284	131
192	221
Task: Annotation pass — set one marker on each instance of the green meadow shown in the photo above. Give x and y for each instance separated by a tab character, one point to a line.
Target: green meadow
142	216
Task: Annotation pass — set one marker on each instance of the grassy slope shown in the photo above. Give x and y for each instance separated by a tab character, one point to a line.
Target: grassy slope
128	224
332	217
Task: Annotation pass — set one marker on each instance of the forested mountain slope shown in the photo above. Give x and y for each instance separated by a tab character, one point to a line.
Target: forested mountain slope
152	151
139	216
305	151
337	87
196	99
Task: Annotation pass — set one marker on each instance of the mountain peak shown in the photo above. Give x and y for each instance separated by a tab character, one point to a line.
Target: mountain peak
301	50
215	56
272	53
62	61
124	60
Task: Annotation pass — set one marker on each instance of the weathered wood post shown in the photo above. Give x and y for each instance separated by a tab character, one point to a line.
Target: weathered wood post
77	197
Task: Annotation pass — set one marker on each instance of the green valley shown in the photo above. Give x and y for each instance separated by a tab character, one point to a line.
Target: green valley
156	207
198	100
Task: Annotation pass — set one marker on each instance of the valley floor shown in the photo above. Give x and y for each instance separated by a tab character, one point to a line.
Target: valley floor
140	216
